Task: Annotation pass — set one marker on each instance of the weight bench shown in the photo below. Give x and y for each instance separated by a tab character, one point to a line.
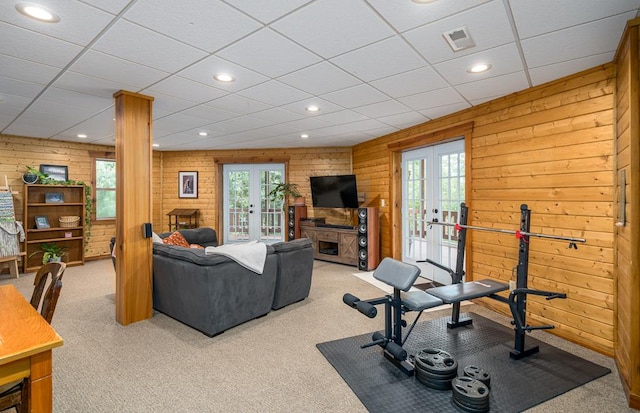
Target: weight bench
401	276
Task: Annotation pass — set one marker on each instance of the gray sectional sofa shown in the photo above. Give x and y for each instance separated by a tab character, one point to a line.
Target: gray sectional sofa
212	293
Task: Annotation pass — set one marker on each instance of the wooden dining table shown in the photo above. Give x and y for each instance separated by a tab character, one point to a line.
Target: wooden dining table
26	341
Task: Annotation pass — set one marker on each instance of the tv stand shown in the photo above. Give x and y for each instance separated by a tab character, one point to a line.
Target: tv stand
332	243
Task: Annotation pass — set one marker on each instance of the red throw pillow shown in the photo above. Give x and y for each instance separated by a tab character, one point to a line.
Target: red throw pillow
176	239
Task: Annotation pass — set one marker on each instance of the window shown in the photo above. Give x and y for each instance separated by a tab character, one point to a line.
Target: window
105	188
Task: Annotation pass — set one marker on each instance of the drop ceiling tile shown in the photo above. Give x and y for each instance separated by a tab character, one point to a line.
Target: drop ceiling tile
533	18
319	79
186	89
503	60
83	102
598	37
405	15
168	104
327	32
209	113
111	6
41	49
26	71
386	108
149	48
19	88
404	120
205	24
117	70
238	104
543	74
79	23
425	100
269	53
274	93
97	127
277	115
306	124
341	117
91	85
487	24
175	123
443	110
324	105
420	80
367	125
13	103
494	86
239	124
355	96
382	59
267	11
204	70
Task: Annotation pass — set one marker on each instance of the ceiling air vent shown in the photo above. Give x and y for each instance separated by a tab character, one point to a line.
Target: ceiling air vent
459	39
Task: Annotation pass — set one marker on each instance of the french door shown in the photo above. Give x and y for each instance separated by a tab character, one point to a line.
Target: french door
249	213
433	185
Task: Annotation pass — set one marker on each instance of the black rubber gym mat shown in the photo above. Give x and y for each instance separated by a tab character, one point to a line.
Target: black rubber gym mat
516	385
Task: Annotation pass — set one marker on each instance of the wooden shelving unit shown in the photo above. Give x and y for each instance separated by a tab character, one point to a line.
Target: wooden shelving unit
72	239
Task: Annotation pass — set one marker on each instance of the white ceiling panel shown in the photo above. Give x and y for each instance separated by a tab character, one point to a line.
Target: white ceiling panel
269	53
410	83
321	28
598	37
79	23
274	93
493	86
355	96
372	66
382	59
137	44
487	24
533	18
320	78
267	11
36	47
503	59
405	15
169	18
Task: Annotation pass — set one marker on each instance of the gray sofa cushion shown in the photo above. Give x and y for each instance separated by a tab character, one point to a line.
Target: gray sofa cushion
193	255
295	266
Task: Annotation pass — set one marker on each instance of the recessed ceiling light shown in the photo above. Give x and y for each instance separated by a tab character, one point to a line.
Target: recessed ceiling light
312	108
479	68
203	133
223	77
38	12
81	135
156	145
304	136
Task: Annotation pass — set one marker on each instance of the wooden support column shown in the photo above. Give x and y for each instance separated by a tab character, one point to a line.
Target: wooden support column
133	207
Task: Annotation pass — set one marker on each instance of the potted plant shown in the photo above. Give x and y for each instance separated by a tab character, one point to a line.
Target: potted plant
31	176
51	252
285	190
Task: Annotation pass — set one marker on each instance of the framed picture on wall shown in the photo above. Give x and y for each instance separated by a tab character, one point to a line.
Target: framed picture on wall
187	184
56	172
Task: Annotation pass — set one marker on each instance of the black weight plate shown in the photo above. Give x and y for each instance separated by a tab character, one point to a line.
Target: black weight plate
436	361
469	409
427	374
435	384
470	391
478	373
474	405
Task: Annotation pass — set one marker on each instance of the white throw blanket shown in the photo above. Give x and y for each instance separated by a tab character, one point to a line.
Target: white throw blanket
251	255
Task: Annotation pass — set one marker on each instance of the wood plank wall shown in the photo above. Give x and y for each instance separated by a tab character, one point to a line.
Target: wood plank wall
627	350
550	147
302	163
16	152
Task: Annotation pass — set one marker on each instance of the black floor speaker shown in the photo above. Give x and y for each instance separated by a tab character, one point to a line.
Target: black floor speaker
294	215
368	239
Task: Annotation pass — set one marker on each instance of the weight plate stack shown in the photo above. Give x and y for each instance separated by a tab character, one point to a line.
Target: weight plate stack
470	395
478	373
435	368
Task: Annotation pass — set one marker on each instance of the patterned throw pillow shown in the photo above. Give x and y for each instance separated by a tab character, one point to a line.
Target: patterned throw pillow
176	239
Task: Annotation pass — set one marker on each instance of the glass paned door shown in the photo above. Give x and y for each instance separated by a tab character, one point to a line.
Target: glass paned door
249	213
433	187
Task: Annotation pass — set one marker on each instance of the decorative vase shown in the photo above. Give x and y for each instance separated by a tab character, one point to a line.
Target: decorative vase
29	178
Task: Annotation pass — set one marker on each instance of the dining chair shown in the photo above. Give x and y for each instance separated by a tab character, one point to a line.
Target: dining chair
16	394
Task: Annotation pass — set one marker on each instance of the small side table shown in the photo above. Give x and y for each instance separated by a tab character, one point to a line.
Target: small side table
183	218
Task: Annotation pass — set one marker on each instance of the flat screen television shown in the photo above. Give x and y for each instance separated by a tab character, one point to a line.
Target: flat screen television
337	191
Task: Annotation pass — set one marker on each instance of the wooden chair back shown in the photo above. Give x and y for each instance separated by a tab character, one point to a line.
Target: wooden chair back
55	269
